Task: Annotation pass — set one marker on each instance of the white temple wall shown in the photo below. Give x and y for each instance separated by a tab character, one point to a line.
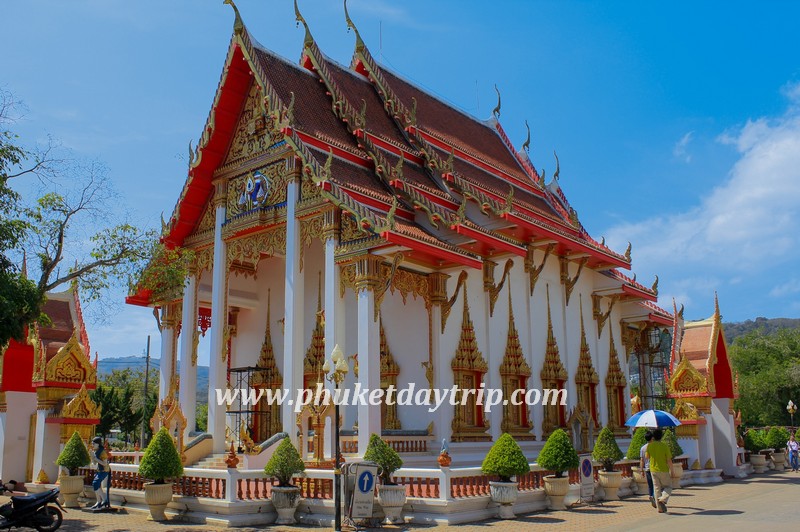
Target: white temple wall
406	328
14	438
536	320
251	323
724	434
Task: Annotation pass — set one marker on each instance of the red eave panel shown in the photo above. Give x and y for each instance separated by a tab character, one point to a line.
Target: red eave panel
492	242
443	254
631	291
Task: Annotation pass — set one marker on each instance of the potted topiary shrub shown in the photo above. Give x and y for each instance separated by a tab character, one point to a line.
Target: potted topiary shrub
160	462
754	442
675	449
776	438
607	452
74	456
391	496
285	496
639	476
505	459
558	455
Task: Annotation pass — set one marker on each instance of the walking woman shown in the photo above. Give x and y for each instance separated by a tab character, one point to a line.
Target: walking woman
794	448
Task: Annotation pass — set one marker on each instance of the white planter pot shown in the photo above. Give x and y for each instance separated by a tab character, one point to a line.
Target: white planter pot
640	479
676	474
759	463
71	488
780	460
285	500
392	499
504	494
157	497
610	481
556	489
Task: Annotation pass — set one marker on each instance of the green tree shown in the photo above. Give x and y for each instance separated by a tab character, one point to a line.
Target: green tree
129	417
284	463
74	455
558	454
161	459
636	444
769	375
505	459
381	453
202	417
78	219
606	451
108	400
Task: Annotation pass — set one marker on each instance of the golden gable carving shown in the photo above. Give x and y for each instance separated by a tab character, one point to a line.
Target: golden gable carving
686	381
81	407
70	365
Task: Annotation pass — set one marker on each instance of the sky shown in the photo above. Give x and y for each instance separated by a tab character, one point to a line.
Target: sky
677	125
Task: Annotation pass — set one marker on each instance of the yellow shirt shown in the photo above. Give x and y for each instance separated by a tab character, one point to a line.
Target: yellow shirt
659	457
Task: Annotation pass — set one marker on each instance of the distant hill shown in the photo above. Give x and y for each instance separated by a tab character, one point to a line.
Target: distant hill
769	326
106	365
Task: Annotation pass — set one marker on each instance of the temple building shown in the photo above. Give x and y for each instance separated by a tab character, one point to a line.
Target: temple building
343	205
44	397
703	387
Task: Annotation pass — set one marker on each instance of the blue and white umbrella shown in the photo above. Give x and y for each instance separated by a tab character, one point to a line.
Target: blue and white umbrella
652	419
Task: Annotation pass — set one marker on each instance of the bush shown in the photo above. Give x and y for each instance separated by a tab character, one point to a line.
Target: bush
161	459
606	451
776	438
754	440
637	442
672	442
74	455
505	459
284	463
381	453
558	454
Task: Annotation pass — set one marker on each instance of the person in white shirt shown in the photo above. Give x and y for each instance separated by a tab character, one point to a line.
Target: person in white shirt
644	463
793	447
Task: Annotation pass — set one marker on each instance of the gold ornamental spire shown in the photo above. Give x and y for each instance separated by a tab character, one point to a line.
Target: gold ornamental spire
553	369
586	372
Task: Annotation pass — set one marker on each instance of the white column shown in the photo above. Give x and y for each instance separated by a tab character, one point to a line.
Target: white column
166	368
219	321
369	372
334	305
188	367
38	452
369	365
442	378
293	348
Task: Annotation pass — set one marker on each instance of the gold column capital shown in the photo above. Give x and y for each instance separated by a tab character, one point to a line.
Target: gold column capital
220	192
438	287
368	272
330	224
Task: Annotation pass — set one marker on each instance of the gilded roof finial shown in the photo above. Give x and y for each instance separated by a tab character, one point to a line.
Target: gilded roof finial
351	25
558	167
654	288
526	146
496	110
628	252
716	306
191	154
238	24
299	18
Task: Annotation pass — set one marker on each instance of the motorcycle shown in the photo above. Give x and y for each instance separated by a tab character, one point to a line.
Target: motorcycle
32	511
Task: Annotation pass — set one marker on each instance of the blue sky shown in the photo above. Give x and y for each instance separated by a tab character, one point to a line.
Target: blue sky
677	125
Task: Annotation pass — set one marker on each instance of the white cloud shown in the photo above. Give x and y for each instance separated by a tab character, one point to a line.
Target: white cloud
749	223
679	151
790	287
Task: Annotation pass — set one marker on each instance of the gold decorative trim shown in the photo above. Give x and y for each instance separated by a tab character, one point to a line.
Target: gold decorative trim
489	284
514	374
553	376
601	317
310	229
686	381
586	377
70	365
389	372
566	280
315	354
615	389
246	252
447	304
531	268
469	368
268	377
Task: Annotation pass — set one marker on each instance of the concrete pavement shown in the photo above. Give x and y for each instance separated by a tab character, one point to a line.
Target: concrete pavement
763	502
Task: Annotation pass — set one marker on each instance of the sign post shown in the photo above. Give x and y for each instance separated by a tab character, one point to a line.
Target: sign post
587	478
363	490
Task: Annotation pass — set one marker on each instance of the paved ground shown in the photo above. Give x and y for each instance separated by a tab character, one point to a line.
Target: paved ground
762	502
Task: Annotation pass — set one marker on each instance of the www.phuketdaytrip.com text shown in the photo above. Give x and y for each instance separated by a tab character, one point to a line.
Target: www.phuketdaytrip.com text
487	398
